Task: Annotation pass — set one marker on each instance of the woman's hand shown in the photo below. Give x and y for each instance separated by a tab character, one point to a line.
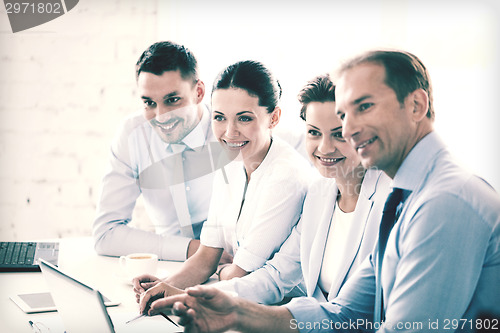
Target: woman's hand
160	290
142	283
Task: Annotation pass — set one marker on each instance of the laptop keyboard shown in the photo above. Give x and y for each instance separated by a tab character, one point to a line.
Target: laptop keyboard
14	253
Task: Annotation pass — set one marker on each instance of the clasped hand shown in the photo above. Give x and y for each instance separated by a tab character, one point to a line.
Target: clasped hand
150	293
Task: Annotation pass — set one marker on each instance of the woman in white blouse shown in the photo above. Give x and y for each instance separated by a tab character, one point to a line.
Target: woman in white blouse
257	199
340	218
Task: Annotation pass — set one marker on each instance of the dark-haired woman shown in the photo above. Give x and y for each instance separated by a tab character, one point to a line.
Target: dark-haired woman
257	198
340	218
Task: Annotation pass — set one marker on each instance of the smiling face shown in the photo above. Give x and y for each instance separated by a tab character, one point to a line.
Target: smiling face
325	145
241	125
171	104
380	129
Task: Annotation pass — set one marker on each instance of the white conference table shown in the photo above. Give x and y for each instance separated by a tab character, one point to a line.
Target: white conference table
78	259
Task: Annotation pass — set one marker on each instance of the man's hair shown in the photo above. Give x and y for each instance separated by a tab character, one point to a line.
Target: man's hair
320	89
168	56
404	73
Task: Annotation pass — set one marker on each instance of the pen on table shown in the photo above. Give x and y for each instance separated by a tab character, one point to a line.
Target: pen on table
144	315
34	327
136	317
169	319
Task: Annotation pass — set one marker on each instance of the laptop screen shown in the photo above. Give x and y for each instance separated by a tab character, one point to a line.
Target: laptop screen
82	308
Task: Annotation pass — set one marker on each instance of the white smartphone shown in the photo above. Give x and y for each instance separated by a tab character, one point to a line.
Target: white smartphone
43	302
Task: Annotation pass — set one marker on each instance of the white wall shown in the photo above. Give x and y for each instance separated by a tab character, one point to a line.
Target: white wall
457	40
65	85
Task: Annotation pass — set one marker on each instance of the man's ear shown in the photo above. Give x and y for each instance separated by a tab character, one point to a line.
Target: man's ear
420	101
200	90
275	117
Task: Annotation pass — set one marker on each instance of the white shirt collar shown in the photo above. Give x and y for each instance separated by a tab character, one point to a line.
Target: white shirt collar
198	136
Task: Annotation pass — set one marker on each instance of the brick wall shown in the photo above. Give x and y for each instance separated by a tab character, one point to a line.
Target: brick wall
63	87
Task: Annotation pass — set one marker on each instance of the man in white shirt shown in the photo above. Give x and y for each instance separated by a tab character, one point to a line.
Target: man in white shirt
168	154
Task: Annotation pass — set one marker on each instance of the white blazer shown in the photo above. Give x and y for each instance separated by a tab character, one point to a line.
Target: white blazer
298	262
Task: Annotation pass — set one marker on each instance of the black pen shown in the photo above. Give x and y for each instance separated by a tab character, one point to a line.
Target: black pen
161	313
34	328
145	315
136	317
169	319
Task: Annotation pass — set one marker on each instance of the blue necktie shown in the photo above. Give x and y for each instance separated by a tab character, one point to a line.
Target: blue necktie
388	220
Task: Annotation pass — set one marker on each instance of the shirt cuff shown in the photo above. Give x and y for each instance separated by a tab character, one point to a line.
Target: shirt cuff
175	248
209	237
248	261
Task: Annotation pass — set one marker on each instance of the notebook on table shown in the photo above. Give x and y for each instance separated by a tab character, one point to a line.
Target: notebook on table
24	256
81	308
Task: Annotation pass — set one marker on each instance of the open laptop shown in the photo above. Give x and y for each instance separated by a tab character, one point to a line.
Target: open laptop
23	256
82	308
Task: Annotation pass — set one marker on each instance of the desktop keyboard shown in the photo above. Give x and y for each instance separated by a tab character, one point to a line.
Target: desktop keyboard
15	253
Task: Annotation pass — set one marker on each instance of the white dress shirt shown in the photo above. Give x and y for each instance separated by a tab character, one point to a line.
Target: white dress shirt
272	206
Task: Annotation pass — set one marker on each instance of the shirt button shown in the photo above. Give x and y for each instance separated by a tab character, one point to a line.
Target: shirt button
183	158
188	188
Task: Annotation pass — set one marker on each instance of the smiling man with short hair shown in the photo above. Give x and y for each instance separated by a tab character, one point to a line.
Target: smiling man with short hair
162	153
